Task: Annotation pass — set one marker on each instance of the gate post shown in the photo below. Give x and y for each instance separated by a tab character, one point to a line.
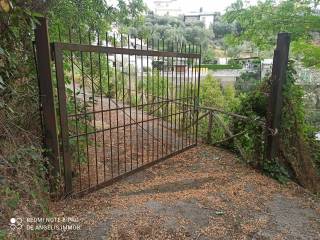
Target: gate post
46	99
210	125
278	78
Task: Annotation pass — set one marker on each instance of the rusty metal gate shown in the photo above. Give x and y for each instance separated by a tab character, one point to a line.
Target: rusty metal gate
122	104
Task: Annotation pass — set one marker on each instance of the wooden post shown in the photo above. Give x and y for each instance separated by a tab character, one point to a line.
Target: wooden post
46	99
278	78
210	124
229	133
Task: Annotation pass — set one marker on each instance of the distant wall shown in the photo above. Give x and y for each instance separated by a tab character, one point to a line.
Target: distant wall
221	66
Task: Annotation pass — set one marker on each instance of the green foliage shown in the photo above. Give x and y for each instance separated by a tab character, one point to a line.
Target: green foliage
2	234
222	28
254	104
247	81
309	53
93	15
276	171
213	95
154	84
261	23
175	30
12	197
208	55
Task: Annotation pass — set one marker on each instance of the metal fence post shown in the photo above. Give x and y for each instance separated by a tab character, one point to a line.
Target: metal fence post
47	99
278	78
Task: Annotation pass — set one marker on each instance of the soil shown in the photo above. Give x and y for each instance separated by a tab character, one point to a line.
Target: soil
202	193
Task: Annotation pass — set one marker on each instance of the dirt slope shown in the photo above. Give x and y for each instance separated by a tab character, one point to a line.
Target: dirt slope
203	193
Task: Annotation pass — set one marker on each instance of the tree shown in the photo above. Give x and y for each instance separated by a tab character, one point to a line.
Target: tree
260	24
175	30
93	15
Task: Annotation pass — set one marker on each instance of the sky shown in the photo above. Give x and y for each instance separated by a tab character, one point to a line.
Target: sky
207	5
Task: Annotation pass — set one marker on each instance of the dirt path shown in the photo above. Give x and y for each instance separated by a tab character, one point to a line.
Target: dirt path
203	193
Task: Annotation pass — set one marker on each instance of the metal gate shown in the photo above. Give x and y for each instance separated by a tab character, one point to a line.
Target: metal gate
122	104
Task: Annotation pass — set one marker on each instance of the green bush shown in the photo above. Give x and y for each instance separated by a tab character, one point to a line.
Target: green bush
299	153
213	95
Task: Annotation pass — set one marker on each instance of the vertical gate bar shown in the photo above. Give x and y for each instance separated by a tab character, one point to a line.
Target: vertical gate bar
181	98
167	104
188	92
172	102
109	105
75	110
184	95
102	113
193	96
162	98
63	119
176	105
85	109
117	106
158	97
130	103
187	99
94	108
142	103
198	93
47	99
153	97
123	108
136	92
148	123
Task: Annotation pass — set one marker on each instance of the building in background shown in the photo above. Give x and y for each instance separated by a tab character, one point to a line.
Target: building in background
166	7
206	17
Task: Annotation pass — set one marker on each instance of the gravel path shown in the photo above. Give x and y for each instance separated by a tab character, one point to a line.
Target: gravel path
203	193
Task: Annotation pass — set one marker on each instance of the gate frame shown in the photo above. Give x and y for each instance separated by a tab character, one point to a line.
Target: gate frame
47	52
47	108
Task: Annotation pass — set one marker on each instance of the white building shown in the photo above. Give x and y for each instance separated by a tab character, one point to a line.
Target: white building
166	7
205	17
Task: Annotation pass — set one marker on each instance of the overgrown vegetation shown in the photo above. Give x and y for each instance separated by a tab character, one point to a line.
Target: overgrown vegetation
299	153
213	95
299	156
177	31
258	25
23	170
